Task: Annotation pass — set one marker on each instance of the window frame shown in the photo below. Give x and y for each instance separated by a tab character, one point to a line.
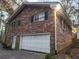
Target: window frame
41	16
15	23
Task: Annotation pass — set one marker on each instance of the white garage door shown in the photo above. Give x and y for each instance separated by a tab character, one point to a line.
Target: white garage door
39	43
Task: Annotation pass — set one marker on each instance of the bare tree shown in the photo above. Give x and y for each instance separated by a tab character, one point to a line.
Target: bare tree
69	6
7	6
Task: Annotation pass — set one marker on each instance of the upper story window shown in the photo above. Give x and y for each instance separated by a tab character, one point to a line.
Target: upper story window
40	17
63	24
15	23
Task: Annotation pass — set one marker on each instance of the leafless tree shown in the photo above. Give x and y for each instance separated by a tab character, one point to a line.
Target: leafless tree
69	6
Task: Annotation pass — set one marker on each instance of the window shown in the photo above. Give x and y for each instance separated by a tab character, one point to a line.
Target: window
40	17
16	23
62	22
64	26
13	23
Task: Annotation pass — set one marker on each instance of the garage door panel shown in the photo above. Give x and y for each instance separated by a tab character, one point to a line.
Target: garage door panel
36	43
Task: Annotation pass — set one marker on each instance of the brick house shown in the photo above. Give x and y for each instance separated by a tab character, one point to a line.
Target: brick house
42	27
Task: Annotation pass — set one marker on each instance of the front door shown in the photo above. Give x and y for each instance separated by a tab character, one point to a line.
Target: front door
14	42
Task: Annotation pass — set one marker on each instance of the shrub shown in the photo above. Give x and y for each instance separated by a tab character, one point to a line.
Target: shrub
50	56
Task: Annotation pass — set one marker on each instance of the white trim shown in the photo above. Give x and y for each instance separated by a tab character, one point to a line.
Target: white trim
21	38
27	34
14	42
41	3
55	30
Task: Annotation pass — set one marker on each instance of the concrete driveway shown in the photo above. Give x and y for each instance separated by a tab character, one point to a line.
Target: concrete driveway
10	54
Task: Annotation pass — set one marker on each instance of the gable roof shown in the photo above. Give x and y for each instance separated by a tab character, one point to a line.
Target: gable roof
48	4
19	9
41	3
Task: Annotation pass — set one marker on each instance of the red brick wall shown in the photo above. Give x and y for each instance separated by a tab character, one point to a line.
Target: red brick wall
64	38
35	27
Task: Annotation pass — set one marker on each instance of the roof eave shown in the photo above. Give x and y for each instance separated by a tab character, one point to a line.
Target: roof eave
19	9
16	12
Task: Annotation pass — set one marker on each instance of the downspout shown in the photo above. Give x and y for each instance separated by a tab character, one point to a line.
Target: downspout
55	31
55	40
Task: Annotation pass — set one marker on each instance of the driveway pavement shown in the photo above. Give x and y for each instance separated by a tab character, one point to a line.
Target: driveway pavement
7	54
12	54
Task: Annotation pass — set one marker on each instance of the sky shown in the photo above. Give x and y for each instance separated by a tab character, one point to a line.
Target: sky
32	0
5	15
40	0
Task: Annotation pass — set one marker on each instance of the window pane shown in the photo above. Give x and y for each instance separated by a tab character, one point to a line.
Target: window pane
41	15
41	19
35	19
